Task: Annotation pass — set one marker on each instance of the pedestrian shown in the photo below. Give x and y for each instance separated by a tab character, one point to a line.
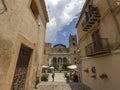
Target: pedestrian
53	75
75	77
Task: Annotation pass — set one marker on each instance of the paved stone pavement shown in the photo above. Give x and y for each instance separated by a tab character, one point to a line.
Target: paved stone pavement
60	84
59	77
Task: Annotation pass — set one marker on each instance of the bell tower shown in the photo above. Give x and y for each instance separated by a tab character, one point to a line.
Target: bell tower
72	43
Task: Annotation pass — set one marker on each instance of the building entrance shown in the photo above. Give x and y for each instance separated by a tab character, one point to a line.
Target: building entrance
20	74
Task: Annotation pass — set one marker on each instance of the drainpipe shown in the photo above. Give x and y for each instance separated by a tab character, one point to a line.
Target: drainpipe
37	58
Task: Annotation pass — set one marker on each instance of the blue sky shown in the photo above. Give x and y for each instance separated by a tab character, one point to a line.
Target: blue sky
63	16
63	35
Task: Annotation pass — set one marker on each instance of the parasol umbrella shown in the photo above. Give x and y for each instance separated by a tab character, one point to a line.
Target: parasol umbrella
72	67
45	66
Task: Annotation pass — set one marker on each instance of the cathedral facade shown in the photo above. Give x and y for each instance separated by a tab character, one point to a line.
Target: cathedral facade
60	54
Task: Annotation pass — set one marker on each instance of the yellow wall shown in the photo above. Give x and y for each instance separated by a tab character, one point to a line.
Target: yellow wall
17	26
105	64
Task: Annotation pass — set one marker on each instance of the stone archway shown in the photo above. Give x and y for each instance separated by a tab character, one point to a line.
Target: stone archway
54	61
65	60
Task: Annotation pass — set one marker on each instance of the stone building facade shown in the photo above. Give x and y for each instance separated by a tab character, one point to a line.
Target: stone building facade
99	44
22	34
60	54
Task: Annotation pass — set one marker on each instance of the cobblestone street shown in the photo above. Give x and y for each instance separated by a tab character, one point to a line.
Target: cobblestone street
59	77
61	84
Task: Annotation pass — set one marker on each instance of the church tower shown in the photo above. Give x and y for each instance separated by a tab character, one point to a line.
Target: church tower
73	48
72	43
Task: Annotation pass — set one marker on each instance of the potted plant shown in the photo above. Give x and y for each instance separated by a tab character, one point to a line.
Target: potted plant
44	77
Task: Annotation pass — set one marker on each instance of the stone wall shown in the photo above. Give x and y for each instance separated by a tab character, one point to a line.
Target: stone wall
18	26
106	63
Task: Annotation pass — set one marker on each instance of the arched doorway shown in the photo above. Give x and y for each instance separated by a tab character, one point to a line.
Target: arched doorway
54	60
65	60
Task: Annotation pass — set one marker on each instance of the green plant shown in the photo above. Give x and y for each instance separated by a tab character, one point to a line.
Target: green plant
64	67
65	74
44	77
55	66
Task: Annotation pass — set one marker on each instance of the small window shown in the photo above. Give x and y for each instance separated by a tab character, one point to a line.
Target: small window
34	9
75	62
73	39
93	69
73	44
59	50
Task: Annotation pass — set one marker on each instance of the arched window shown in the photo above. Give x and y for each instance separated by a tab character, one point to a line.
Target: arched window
73	39
73	44
59	50
54	60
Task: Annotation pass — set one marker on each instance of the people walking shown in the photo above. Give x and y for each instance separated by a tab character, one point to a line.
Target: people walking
53	75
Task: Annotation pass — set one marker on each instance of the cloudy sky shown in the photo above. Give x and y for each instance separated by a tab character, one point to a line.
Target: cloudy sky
63	16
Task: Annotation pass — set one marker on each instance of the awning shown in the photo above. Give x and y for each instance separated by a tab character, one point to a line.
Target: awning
45	66
72	67
51	67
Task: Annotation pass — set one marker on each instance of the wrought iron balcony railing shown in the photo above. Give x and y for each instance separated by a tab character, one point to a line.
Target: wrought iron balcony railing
98	47
91	17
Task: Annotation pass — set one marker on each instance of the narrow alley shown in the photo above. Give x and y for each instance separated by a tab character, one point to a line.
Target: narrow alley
60	84
59	44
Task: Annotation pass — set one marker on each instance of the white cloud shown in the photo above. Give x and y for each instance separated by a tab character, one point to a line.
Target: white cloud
64	34
61	13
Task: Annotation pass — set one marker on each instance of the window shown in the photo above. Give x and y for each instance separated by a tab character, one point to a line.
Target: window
73	44
97	40
34	9
59	50
73	39
75	62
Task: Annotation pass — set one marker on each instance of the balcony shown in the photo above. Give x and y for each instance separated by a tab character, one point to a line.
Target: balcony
98	47
92	16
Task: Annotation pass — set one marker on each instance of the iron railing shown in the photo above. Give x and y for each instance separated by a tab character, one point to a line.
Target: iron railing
90	17
98	47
